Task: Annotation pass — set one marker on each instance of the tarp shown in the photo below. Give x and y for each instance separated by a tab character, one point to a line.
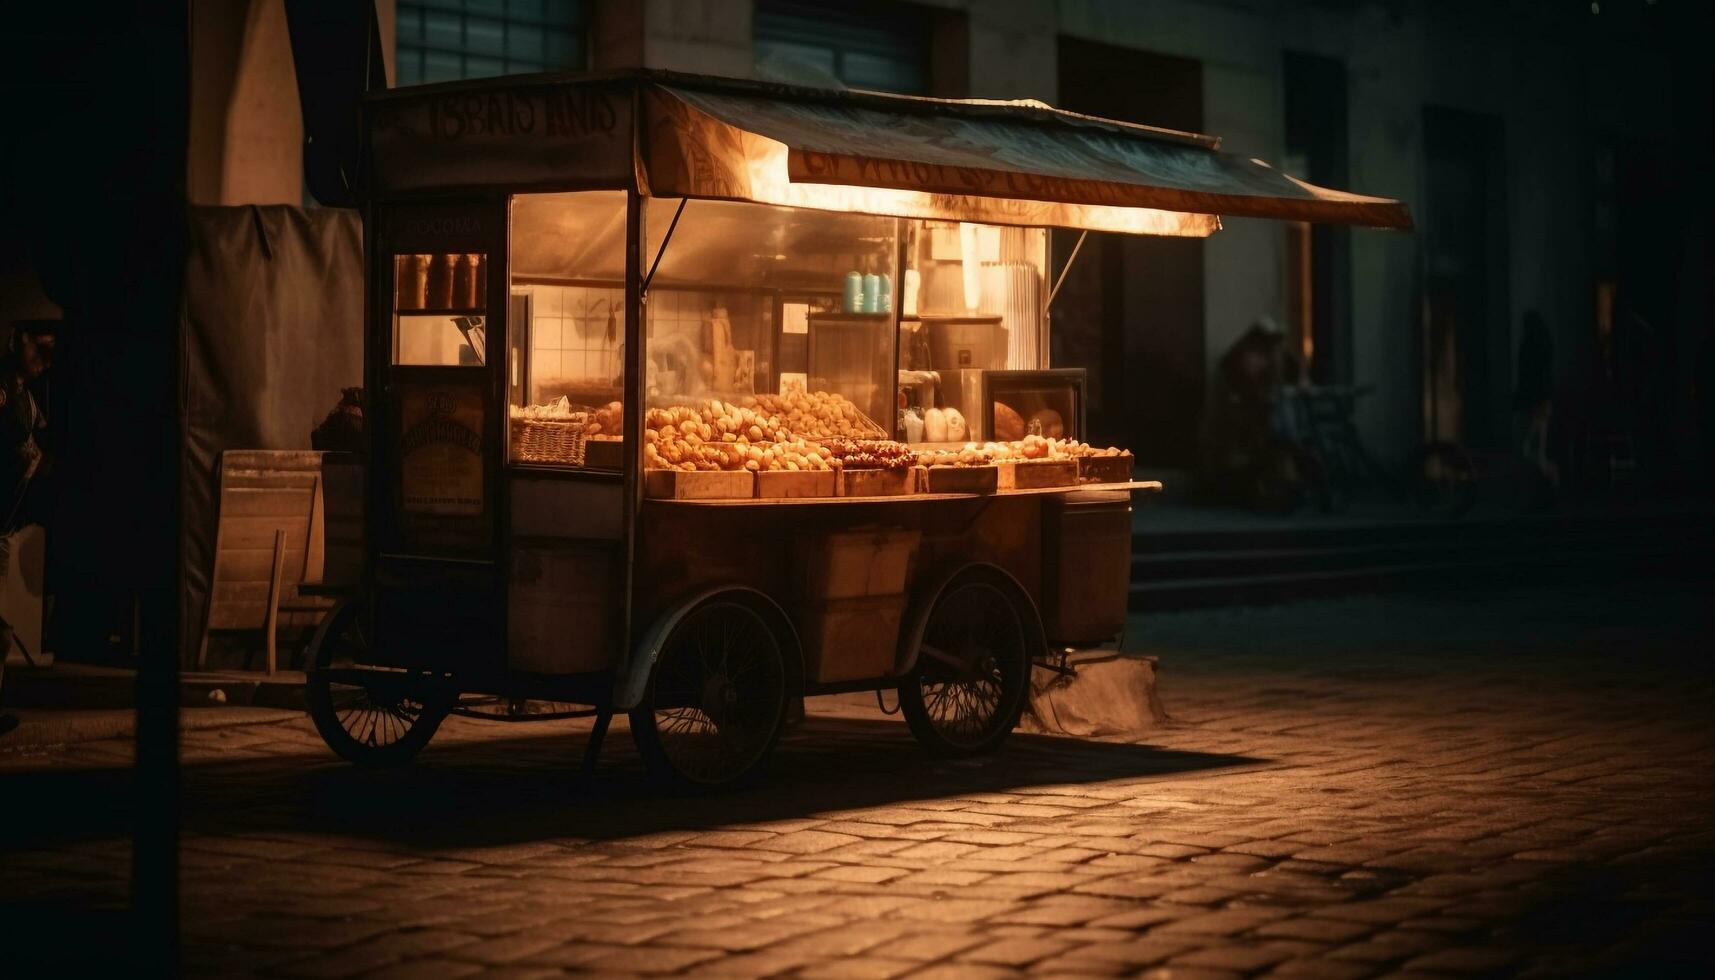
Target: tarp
271	329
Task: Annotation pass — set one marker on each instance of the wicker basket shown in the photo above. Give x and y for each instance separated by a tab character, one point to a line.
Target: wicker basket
559	441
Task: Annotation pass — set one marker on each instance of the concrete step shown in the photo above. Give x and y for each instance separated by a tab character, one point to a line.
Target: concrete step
1614	564
1212	567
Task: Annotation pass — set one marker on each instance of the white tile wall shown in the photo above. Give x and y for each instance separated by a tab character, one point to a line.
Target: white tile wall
568	332
569	324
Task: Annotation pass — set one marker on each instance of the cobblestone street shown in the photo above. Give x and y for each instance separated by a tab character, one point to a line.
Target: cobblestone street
1453	784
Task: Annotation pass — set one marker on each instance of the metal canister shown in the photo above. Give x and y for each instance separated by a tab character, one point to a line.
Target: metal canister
411	281
464	294
440	287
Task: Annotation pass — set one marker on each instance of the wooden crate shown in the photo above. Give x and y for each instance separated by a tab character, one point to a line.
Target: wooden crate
957	479
1105	469
698	484
1033	474
876	483
795	483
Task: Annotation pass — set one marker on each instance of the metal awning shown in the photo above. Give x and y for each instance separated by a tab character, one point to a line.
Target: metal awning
674	135
1014	163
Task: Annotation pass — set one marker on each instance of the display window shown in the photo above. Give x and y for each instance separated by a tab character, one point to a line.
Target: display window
440	309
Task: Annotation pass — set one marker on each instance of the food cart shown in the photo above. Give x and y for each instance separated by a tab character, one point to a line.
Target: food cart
690	397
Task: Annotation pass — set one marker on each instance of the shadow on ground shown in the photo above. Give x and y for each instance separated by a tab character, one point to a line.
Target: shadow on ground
527	788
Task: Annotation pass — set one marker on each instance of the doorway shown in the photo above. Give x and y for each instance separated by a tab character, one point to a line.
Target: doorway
1466	341
1131	310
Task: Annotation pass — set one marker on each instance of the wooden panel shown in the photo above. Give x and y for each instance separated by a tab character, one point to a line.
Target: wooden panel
699	484
957	479
275	460
877	483
775	484
1036	474
257	532
563	610
257	564
265	502
266	496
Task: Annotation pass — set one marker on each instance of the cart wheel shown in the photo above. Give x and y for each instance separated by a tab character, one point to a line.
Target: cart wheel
369	715
965	693
717	699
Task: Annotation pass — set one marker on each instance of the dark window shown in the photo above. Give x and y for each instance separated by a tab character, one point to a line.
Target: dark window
443	40
881	46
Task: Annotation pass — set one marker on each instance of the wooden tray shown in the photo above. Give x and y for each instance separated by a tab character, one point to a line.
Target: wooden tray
958	479
1034	474
795	483
876	483
1105	469
698	484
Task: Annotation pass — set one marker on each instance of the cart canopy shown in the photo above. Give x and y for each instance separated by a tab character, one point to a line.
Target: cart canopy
1021	163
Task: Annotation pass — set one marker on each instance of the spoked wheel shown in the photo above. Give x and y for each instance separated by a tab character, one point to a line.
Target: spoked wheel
1447	480
372	716
717	700
965	693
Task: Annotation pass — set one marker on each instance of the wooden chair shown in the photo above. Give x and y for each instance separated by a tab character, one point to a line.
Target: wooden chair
269	546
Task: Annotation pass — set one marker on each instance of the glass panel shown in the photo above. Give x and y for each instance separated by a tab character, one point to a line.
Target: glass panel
484	36
475	67
443	30
770	336
973	306
439	304
408	27
524	42
567	335
439	66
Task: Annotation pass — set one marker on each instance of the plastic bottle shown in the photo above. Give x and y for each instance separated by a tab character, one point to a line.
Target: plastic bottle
872	293
854	292
885	294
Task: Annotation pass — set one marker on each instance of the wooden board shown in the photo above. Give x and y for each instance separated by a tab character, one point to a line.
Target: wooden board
1035	474
699	484
779	484
920	497
958	479
876	483
1105	469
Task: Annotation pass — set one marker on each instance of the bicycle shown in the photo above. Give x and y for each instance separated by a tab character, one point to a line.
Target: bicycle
1441	480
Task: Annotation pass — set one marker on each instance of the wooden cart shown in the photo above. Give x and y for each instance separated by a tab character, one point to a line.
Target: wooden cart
495	577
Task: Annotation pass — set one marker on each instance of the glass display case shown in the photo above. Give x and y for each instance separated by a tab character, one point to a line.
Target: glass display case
786	314
440	306
566	337
1048	403
972	305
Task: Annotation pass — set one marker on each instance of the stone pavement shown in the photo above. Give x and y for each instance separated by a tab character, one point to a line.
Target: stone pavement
1452	785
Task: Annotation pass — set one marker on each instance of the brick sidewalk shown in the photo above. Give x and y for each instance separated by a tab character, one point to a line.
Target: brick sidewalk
1450	785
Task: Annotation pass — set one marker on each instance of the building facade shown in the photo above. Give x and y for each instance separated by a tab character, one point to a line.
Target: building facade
1549	152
